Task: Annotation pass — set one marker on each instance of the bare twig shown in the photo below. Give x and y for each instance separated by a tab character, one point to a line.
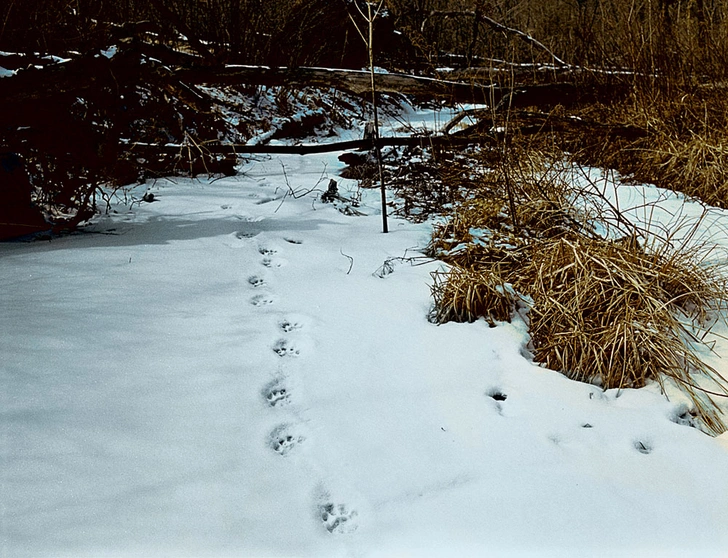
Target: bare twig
351	260
498	27
369	18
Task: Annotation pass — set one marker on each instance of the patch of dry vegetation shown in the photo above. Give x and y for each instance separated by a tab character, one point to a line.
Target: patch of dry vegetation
684	146
615	312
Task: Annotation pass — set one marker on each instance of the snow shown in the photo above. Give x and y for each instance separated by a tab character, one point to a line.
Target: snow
109	52
223	373
408	119
660	214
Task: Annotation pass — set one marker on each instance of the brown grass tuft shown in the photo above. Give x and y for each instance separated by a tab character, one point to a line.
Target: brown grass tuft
463	295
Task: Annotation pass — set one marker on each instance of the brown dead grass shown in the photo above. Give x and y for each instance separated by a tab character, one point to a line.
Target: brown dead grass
684	148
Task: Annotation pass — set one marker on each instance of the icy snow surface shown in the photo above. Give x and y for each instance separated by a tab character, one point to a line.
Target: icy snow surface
222	373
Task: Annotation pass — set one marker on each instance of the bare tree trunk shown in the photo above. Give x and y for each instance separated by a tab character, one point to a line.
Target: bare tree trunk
377	150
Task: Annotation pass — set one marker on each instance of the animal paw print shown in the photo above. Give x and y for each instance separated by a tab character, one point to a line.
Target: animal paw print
255	281
272	262
288	326
283	442
685	416
277	396
643	446
498	396
338	519
262	300
263	251
283	349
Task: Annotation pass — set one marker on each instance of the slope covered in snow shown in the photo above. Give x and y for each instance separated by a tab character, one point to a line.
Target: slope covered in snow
234	370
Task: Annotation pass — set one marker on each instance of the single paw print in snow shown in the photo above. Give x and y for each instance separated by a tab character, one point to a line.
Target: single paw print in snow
685	416
555	439
283	441
284	349
256	281
262	300
276	396
288	326
272	262
337	519
294	240
643	446
242	235
498	396
267	251
267	262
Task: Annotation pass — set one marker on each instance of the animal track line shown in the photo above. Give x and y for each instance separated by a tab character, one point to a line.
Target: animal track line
335	517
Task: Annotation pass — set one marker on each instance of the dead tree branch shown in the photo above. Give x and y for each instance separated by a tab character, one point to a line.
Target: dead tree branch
498	27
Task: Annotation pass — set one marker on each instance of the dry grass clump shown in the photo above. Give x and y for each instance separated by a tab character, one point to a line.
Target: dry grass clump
463	295
613	314
684	146
616	313
695	166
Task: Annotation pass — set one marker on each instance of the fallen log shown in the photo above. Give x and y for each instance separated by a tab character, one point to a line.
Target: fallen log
543	95
363	144
526	123
481	133
356	81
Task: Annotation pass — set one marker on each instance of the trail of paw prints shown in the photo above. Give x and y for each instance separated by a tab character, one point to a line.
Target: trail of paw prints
337	518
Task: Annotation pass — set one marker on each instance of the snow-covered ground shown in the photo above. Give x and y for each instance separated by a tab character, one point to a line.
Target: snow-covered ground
228	372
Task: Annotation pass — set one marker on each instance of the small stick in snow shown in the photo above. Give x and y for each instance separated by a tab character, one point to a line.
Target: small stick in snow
351	260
